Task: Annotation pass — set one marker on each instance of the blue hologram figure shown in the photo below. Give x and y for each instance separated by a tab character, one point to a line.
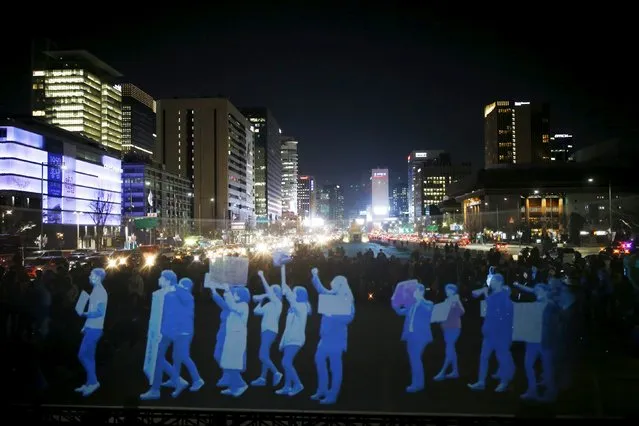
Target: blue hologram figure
269	307
333	340
294	337
233	356
498	334
184	324
167	282
544	349
417	334
92	330
451	329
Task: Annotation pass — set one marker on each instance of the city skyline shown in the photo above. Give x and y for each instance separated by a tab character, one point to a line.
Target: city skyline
438	100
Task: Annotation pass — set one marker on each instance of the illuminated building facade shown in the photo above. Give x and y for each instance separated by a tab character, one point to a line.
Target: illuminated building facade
67	183
289	175
399	201
380	202
138	121
562	149
429	175
268	164
331	204
306	197
516	133
209	142
77	92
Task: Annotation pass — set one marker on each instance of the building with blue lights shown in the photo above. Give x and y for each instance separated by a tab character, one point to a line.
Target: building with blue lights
60	184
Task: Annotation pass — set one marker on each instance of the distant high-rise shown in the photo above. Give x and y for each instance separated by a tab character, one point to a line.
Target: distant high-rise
306	197
138	121
208	141
429	174
331	204
562	149
380	202
516	133
399	201
268	164
289	175
74	90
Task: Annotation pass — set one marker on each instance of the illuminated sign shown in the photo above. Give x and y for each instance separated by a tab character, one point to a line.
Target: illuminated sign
521	103
379	174
421	155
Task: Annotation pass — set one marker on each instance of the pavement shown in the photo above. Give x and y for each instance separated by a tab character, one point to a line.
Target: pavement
376	373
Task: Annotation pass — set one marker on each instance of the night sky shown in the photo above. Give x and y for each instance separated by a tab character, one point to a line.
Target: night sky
361	87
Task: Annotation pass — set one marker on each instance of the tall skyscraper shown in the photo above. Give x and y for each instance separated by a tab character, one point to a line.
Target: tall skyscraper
379	191
289	175
399	201
138	121
331	204
562	149
516	133
429	174
306	197
208	141
74	90
268	164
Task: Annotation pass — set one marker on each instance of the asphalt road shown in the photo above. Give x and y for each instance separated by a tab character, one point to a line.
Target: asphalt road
376	373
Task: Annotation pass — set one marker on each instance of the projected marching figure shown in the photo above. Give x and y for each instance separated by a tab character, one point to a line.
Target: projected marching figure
166	301
293	337
183	305
451	328
221	332
92	329
497	331
417	334
269	307
337	313
543	349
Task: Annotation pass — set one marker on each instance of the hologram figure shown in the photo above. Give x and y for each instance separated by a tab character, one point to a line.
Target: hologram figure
498	333
294	337
170	311
233	357
451	329
220	337
183	330
333	340
417	334
92	330
269	307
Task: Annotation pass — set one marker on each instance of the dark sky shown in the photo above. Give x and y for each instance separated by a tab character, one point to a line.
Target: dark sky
361	87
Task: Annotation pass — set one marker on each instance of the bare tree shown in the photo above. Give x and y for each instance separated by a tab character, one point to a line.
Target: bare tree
100	210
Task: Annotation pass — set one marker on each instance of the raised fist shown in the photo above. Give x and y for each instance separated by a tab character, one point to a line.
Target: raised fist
260	274
315	272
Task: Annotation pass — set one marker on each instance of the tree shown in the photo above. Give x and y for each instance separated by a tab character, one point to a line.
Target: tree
100	210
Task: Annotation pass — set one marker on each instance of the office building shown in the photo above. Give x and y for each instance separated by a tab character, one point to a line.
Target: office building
289	175
138	121
429	175
516	133
331	204
150	190
562	149
74	90
306	197
209	142
399	201
268	164
67	185
380	202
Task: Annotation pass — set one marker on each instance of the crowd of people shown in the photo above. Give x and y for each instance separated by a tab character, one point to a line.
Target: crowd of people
40	326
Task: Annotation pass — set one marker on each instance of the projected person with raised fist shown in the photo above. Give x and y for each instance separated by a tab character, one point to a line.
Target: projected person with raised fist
497	333
294	337
233	357
221	333
337	308
184	310
92	330
269	307
451	329
416	333
167	307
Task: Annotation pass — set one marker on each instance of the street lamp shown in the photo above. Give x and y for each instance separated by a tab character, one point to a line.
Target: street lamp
591	180
62	167
77	223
